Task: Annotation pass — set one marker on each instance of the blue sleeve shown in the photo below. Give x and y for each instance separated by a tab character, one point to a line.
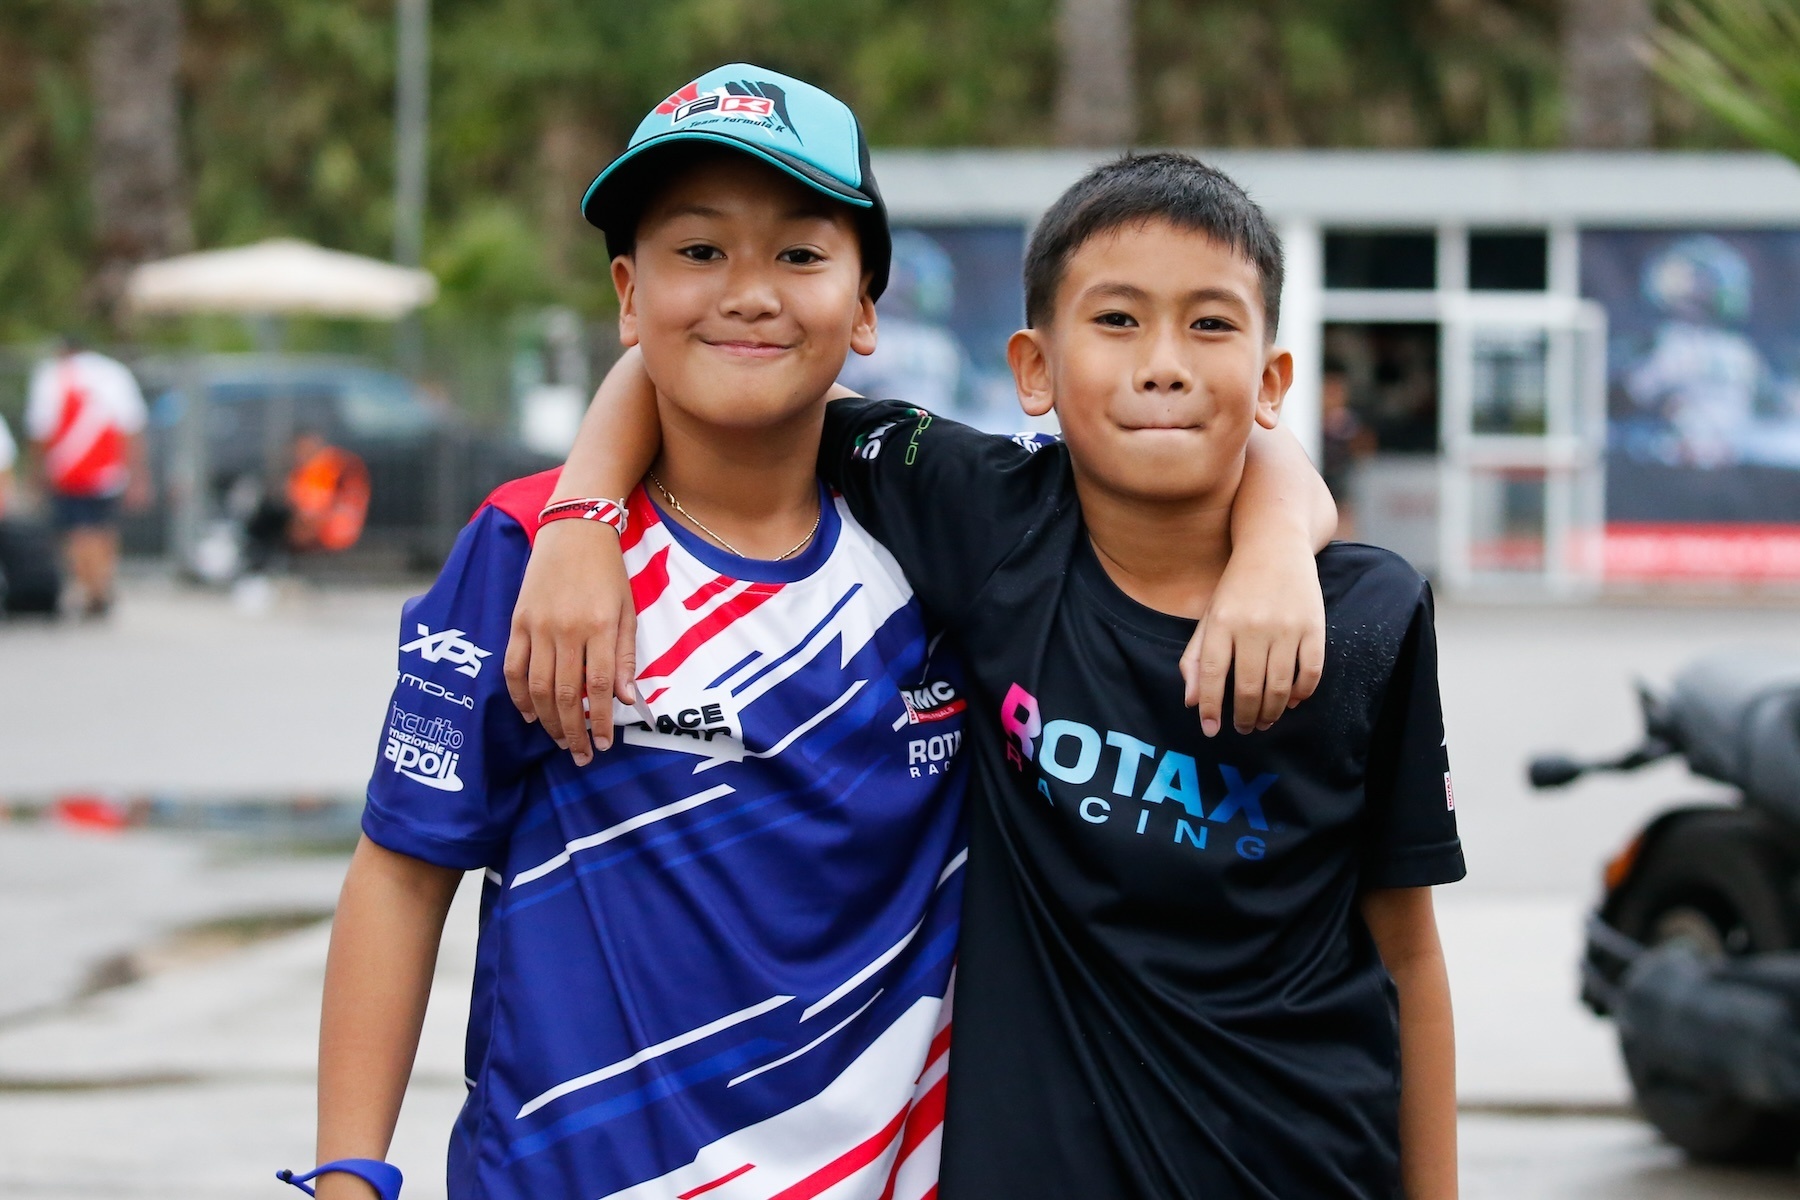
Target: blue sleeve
450	775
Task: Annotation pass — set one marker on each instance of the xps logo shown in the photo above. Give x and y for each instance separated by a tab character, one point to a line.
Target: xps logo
448	646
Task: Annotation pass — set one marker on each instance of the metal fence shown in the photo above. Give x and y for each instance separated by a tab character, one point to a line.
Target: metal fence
205	438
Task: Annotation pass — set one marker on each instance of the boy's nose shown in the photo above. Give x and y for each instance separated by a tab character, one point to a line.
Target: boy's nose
1164	374
750	294
1162	371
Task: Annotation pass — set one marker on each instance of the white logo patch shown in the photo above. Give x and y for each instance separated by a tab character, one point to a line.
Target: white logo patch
424	750
703	723
448	646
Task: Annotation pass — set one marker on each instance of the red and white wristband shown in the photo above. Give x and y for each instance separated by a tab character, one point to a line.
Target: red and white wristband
592	508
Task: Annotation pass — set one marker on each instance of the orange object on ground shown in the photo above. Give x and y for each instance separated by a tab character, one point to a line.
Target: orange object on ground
329	494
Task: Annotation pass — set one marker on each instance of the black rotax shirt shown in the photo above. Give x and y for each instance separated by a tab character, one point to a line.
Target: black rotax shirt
1166	988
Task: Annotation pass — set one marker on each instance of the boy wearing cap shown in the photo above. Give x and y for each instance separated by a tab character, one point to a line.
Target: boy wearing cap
717	960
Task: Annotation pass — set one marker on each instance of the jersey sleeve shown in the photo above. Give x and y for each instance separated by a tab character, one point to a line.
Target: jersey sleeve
450	774
1412	840
9	449
949	502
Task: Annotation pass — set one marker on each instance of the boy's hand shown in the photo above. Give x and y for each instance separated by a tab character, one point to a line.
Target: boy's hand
574	632
1268	615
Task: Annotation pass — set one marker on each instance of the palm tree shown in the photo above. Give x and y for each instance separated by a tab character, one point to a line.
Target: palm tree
1740	60
140	202
1606	80
1096	82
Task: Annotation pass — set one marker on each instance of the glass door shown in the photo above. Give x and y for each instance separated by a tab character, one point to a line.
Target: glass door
1523	407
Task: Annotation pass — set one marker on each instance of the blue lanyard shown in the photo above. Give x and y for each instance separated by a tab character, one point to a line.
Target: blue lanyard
385	1178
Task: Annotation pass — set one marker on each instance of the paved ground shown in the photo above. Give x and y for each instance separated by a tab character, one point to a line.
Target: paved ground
199	1074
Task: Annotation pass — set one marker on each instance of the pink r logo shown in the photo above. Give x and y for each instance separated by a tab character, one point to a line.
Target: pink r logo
1020	718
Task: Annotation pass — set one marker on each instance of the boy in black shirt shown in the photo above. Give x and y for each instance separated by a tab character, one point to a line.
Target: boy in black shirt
1194	967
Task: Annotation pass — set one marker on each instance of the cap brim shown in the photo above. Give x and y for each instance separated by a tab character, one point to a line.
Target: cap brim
598	206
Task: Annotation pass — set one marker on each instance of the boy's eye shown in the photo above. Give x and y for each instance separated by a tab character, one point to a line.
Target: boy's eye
1213	325
1116	320
702	253
802	256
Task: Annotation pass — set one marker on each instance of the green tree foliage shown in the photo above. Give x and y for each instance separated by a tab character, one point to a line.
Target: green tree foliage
288	109
44	213
1739	60
1395	73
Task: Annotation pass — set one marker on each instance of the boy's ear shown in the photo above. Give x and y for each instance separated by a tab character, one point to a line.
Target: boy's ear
624	276
862	333
1277	377
1030	371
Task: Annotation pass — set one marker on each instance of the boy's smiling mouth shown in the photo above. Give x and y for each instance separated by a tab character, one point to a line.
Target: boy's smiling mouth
1165	424
748	347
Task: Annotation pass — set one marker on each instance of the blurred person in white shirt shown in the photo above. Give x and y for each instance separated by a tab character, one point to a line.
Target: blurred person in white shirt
86	416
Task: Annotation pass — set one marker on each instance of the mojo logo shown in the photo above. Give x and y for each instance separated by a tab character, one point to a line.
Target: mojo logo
763	103
424	750
436	690
448	646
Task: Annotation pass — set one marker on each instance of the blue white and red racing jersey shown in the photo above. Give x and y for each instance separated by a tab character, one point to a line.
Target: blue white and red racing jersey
717	960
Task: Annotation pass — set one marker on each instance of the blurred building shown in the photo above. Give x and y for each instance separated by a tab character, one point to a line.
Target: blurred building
1548	371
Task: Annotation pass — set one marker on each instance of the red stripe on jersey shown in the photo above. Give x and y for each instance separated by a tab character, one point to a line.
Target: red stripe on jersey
714	623
643	515
925	1117
721	1181
924	1120
939	1044
648	585
707	591
846	1164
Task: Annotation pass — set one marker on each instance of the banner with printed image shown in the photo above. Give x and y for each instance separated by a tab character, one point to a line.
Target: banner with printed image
955	295
1703	401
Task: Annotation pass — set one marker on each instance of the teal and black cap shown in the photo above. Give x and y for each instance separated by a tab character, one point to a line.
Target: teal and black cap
791	125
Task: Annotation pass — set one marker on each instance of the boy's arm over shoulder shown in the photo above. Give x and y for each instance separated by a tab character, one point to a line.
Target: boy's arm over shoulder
1410	829
454	751
949	502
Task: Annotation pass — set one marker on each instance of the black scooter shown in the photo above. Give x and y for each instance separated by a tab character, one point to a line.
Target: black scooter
1694	950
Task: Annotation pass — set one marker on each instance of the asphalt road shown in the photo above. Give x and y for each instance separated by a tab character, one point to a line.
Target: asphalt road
185	696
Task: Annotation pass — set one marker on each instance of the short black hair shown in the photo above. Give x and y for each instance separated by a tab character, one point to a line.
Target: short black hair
1177	188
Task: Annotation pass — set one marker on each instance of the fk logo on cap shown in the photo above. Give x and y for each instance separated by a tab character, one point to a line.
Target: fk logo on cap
739	98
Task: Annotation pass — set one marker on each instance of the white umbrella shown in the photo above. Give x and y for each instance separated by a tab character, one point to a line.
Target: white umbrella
282	276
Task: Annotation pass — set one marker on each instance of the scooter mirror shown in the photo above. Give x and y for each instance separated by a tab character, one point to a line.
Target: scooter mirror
1554	770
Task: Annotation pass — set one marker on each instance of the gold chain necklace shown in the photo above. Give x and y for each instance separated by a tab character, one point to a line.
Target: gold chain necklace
701	525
